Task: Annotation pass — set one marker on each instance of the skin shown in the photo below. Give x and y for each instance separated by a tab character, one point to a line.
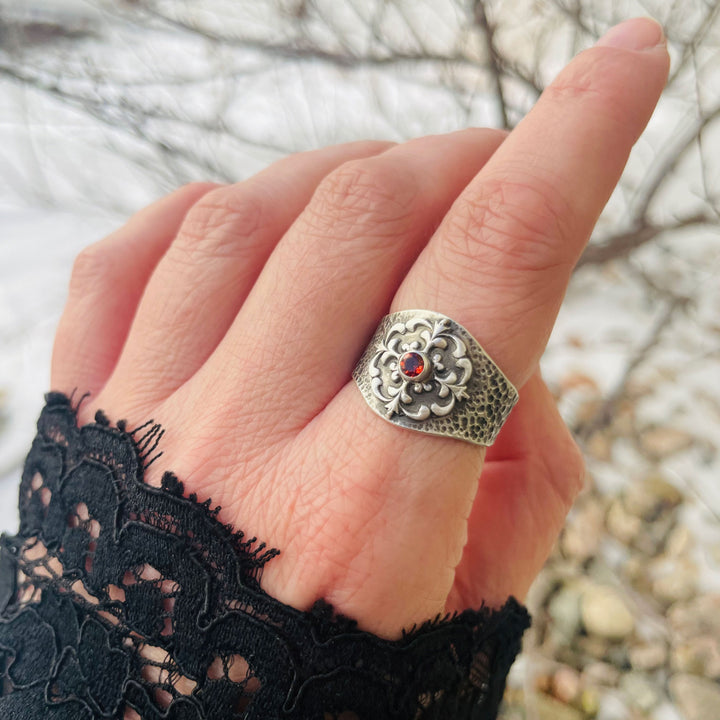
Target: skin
234	315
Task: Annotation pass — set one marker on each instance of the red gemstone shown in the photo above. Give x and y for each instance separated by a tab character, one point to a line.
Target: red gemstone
412	364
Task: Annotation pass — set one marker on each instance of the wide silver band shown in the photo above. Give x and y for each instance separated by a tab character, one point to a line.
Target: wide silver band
426	372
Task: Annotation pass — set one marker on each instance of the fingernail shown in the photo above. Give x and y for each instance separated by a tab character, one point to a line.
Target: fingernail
635	34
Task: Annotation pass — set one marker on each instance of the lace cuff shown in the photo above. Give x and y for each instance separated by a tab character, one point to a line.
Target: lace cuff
120	600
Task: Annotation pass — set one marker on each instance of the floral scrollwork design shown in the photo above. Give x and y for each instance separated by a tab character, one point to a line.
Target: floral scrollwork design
420	369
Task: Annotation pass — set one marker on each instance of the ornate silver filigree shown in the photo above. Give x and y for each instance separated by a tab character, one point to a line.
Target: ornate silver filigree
424	371
445	375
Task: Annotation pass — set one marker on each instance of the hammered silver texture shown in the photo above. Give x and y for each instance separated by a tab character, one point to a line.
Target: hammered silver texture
458	392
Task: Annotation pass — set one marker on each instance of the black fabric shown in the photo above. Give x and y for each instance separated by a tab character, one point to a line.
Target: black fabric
121	600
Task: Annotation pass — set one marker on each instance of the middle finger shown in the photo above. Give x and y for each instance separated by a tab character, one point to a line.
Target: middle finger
334	272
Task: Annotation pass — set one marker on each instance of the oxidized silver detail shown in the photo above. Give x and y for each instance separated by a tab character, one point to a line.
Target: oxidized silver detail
460	392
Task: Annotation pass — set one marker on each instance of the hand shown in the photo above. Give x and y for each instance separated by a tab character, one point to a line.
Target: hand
234	316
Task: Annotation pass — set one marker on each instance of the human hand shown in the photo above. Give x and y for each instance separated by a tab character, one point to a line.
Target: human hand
234	316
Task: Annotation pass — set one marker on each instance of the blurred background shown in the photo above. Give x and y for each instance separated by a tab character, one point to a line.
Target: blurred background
106	105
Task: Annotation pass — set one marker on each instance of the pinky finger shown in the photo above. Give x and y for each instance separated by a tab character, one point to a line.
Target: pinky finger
107	282
531	477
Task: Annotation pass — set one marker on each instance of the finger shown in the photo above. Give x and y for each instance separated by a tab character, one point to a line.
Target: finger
498	264
501	260
336	270
529	481
107	282
203	279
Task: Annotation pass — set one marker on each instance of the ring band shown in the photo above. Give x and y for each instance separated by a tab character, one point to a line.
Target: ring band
423	371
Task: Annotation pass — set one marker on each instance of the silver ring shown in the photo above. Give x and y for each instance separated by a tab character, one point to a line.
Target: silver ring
423	371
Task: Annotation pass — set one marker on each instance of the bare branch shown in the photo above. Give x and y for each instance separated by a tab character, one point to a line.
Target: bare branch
622	244
495	68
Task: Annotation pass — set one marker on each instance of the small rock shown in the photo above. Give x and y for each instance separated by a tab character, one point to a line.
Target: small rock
564	611
697	698
679	541
605	614
640	691
621	524
545	584
590	702
612	707
617	655
699	616
648	656
549	708
582	534
676	580
543	683
600	674
599	446
651	497
699	656
654	536
592	645
566	685
661	442
634	569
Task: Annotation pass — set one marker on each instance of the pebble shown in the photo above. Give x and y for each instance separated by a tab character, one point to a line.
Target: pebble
566	685
660	442
678	580
653	539
549	708
699	616
592	645
648	656
679	542
635	571
640	691
590	702
601	674
697	698
605	614
651	497
599	446
545	584
621	524
583	532
698	656
564	611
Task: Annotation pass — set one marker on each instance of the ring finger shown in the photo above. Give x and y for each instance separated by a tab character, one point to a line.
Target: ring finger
204	276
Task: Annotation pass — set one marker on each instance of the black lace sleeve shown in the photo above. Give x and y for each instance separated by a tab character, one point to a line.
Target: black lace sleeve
120	600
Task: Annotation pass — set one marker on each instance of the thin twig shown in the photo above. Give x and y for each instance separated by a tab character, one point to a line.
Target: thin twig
624	243
495	67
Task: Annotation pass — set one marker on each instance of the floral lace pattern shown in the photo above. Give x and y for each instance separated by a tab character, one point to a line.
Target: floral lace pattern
120	600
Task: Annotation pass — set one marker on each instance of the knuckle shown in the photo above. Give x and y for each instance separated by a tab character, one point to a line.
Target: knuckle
510	225
224	221
92	268
361	194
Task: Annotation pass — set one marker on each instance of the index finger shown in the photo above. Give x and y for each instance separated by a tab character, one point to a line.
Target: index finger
500	262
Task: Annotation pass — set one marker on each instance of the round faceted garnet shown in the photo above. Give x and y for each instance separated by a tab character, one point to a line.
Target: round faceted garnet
412	364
